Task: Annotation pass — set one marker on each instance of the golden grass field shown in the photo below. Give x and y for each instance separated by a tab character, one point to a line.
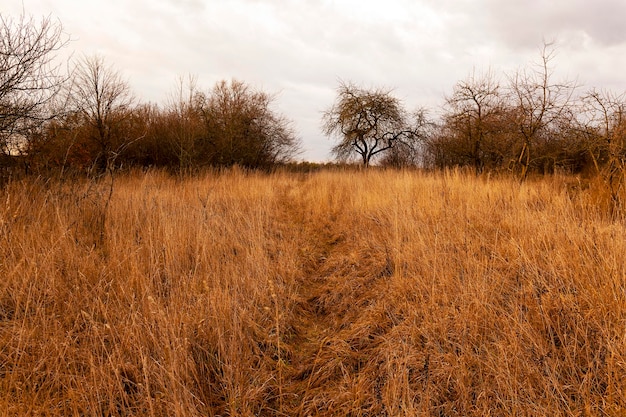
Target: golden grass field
336	293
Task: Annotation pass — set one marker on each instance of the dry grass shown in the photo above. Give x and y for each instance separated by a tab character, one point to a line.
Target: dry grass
333	293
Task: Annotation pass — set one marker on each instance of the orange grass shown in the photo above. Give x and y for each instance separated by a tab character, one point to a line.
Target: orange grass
355	293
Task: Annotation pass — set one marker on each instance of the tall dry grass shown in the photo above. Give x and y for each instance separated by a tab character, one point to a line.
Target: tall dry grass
332	293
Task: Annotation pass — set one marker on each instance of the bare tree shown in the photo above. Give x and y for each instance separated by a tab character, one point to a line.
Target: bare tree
30	78
410	153
104	100
185	125
538	102
243	129
605	117
473	112
367	122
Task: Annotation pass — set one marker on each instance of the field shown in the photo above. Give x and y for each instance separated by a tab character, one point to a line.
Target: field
360	293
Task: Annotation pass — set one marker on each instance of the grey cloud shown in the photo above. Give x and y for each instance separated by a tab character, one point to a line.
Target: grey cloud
524	24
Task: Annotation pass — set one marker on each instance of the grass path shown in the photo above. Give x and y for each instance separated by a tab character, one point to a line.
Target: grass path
328	350
310	325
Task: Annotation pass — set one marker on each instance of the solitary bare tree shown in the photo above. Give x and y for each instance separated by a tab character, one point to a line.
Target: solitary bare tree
367	122
30	77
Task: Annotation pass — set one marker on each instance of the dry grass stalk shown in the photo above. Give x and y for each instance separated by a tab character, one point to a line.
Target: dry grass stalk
334	293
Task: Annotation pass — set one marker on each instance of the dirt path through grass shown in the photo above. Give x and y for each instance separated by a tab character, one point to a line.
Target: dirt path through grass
330	352
311	325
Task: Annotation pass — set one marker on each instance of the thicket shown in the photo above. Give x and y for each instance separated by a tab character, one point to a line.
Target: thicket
232	124
89	121
531	123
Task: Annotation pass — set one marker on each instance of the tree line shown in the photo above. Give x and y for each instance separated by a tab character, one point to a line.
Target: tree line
532	123
86	119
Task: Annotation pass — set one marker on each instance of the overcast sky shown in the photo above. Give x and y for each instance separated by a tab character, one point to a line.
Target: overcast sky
299	49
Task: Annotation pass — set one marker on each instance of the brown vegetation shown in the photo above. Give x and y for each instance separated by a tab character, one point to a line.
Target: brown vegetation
531	124
330	293
370	122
